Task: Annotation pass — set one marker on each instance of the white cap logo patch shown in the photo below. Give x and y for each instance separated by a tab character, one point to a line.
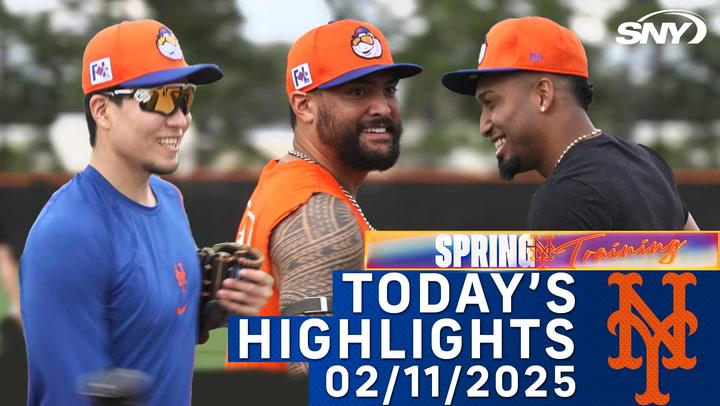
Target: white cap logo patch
301	76
100	71
365	44
168	44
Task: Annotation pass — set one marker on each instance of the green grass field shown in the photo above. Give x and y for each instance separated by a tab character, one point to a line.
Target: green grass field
4	304
210	355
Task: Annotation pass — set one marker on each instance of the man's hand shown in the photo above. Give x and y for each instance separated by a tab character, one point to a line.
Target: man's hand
248	295
232	283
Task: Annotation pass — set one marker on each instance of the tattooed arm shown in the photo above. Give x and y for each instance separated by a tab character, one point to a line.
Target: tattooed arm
306	246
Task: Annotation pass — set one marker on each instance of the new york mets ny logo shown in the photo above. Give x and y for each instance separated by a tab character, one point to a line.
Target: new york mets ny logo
652	330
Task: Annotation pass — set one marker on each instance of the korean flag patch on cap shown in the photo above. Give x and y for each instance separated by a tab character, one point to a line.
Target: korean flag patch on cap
100	71
301	76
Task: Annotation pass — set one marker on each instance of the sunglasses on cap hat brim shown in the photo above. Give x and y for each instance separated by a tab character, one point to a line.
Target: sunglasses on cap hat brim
165	100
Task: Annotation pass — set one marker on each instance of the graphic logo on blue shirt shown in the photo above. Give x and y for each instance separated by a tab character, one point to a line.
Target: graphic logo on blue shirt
181	281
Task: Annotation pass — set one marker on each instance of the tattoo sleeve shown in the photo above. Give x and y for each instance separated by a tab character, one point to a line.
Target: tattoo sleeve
306	246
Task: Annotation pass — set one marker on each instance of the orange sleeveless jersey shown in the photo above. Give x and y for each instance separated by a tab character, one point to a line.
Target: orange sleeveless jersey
281	189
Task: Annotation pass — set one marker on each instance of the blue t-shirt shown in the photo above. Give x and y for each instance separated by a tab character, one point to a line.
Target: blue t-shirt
108	283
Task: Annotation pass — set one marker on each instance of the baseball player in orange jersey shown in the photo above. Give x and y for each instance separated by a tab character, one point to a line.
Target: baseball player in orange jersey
341	84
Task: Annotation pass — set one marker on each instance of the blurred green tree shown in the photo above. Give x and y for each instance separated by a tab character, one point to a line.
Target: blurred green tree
33	75
673	83
40	75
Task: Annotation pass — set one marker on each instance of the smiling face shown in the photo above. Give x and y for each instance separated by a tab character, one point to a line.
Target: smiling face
360	121
143	141
507	120
365	44
168	44
368	47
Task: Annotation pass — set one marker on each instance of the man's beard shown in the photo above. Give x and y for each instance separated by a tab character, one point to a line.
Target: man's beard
509	167
345	140
157	170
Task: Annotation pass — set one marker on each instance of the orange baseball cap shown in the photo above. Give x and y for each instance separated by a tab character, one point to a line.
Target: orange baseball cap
528	43
139	53
340	52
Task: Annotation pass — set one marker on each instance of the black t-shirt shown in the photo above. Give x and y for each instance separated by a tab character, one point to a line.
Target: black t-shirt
608	183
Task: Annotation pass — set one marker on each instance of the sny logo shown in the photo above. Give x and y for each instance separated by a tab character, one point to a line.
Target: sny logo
639	32
623	321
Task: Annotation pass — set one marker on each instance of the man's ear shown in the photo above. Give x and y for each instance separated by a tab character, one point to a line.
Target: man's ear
304	107
544	93
99	110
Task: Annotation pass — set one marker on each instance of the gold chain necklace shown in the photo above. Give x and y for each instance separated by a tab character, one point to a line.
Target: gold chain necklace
574	142
347	194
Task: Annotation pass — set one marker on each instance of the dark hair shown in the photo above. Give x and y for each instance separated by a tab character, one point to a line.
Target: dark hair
92	126
582	90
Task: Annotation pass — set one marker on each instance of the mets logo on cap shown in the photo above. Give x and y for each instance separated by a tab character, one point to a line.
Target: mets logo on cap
365	44
168	44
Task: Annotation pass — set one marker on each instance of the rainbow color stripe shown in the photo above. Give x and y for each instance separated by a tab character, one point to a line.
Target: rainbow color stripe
624	250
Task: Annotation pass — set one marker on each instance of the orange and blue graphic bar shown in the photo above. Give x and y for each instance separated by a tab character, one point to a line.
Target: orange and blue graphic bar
606	250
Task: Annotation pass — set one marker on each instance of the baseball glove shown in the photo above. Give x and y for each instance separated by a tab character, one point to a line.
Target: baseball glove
218	263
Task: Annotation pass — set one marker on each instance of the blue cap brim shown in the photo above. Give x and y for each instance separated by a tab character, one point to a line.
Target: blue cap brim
200	74
465	81
401	71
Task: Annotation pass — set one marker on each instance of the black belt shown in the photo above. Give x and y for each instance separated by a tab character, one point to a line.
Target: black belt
322	304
